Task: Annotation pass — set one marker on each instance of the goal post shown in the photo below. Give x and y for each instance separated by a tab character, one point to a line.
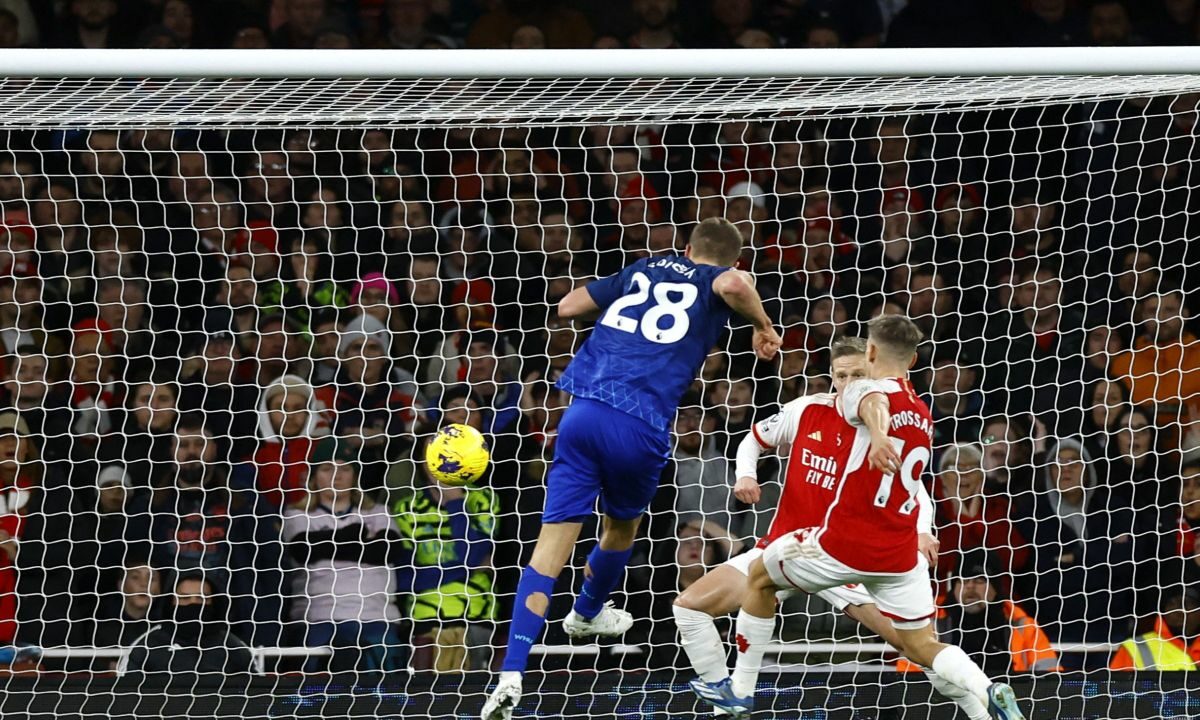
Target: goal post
223	273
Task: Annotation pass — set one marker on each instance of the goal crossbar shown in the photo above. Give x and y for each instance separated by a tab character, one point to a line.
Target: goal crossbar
683	63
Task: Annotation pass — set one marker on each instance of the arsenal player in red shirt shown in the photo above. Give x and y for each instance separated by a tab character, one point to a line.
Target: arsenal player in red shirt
800	432
869	533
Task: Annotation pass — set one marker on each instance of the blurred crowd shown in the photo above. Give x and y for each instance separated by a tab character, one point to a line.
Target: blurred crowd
223	350
531	24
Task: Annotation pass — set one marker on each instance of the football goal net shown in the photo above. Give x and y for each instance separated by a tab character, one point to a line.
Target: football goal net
240	290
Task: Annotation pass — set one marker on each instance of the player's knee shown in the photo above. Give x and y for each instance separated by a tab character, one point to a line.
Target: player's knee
537	603
618	534
687	601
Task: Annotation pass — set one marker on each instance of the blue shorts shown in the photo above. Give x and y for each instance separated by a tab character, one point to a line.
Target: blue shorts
605	453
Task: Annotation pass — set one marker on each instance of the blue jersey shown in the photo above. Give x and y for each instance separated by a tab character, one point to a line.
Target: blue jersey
660	318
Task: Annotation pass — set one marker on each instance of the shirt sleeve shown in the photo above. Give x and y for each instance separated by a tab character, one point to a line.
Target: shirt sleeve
606	290
853	396
780	429
748	453
924	510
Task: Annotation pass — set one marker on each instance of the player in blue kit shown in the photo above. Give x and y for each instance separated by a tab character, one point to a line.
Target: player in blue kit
658	320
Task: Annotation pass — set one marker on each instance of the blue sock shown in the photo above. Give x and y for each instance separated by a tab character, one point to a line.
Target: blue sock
526	624
608	567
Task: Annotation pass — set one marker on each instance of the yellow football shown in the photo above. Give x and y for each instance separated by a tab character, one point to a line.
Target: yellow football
457	455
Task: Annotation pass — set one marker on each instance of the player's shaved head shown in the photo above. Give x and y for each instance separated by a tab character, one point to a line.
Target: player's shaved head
717	241
846	347
896	336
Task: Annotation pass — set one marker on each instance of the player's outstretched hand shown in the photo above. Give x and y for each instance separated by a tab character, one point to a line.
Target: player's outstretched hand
746	490
766	343
928	546
883	455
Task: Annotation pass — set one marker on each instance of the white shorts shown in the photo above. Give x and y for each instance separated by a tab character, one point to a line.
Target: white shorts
906	598
839	597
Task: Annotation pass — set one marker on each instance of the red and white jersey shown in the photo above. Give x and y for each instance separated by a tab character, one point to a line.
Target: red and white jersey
815	439
871	525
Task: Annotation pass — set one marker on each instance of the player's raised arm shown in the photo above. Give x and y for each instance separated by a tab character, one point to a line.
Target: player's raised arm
737	290
863	403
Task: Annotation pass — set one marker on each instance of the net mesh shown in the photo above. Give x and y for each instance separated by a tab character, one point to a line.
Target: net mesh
210	288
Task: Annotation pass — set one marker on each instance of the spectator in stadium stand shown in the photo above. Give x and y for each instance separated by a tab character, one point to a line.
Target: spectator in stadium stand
1084	550
827	319
268	193
989	626
194	640
348	551
1163	368
493	382
114	520
31	388
302	20
1109	24
931	304
212	385
258	248
279	347
304	283
92	386
823	36
527	37
563	26
138	346
1102	345
22	314
412	25
1031	351
199	522
1173	643
93	24
1050	23
738	153
891	175
1104	404
959	240
542	407
373	406
408	225
696	546
1181	533
146	422
968	518
326	217
698	473
451	602
733	402
1008	450
1139	469
57	215
20	478
374	298
177	17
655	24
954	399
289	424
325	327
233	308
423	311
127	605
1035	222
1174	23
